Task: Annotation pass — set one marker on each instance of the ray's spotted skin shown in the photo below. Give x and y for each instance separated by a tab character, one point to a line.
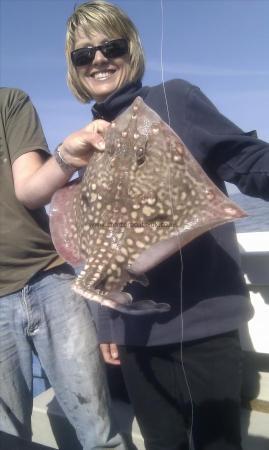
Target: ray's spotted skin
139	202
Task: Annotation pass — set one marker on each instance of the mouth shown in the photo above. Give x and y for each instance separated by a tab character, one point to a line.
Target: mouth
103	75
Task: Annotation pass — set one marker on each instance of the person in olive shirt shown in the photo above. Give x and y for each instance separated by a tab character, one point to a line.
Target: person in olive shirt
38	309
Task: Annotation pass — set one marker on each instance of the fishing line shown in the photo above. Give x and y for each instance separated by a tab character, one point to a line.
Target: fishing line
178	236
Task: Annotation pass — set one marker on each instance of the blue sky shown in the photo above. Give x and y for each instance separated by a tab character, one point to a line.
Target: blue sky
219	45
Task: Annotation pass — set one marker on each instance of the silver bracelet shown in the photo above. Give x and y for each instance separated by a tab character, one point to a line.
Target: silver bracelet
65	166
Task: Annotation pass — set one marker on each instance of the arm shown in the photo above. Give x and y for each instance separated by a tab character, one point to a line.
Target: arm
36	179
36	174
224	150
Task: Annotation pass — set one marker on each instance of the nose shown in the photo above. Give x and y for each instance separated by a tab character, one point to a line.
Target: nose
99	57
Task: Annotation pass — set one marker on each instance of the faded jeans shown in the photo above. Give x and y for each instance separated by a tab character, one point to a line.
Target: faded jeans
47	315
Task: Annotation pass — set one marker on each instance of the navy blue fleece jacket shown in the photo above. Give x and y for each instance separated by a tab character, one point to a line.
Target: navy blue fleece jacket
214	296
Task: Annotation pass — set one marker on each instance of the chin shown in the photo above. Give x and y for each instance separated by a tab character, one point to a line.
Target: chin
102	96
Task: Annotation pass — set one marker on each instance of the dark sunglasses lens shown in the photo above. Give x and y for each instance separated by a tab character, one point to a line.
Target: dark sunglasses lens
115	49
82	56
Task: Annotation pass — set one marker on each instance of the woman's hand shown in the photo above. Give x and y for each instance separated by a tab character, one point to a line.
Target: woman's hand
110	353
78	147
36	177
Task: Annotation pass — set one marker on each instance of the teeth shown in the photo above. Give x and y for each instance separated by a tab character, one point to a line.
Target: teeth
102	75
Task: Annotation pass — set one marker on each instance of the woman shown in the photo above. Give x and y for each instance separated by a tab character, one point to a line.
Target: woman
175	366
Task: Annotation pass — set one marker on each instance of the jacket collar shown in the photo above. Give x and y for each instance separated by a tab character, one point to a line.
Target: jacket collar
118	101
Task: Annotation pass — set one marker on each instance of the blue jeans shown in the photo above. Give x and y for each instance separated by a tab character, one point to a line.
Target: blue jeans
47	315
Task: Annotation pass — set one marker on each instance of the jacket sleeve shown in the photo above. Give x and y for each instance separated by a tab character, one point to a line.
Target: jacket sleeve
225	150
104	324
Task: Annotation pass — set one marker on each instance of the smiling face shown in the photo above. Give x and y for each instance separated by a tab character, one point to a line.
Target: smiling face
103	75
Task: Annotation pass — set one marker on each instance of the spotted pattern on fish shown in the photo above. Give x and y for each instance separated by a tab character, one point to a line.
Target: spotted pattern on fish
140	201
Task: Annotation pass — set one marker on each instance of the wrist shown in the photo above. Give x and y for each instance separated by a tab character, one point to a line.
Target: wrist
62	162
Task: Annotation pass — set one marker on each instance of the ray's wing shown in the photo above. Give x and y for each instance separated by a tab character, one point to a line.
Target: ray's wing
175	199
190	199
63	225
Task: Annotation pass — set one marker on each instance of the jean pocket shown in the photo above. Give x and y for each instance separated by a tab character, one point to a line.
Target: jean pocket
63	272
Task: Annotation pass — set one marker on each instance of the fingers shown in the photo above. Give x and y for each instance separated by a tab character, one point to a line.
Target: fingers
114	351
96	131
78	147
95	141
110	353
97	126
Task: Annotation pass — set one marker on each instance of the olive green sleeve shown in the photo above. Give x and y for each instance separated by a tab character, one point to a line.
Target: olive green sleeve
23	128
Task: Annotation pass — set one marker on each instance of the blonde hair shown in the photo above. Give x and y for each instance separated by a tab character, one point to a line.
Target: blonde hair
99	16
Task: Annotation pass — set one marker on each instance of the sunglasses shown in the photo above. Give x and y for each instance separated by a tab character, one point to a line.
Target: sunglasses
111	49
